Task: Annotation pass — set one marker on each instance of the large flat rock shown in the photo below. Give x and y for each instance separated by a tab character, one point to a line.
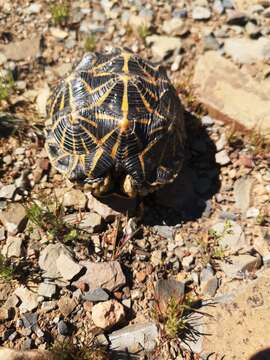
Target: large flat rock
239	328
231	95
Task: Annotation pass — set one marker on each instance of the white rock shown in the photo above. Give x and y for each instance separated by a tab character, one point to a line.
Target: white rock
252	212
174	26
246	51
135	337
28	298
75	198
58	33
242	192
12	247
33	9
241	264
46	290
201	13
3	59
7	191
14	218
48	257
222	158
107	314
176	63
163	46
67	267
41	101
156	257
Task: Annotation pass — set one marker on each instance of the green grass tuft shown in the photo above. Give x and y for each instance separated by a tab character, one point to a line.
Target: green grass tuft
7	84
90	43
60	13
6	272
143	31
67	351
49	218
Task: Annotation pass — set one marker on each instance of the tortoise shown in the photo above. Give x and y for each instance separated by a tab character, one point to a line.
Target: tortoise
116	125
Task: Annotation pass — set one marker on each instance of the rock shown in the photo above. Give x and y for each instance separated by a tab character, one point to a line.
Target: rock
252	300
218	7
63	69
66	305
29	320
201	13
7	191
112	206
164	231
207	121
91	222
222	158
12	247
9	354
5	314
210	42
22	50
62	327
230	235
67	267
187	261
241	264
163	46
209	282
253	30
135	337
97	294
33	9
11	302
74	198
107	314
226	92
166	289
246	51
221	143
236	18
252	212
174	26
14	218
105	275
41	101
156	257
176	63
3	59
59	34
242	193
47	306
28	298
47	290
180	13
48	257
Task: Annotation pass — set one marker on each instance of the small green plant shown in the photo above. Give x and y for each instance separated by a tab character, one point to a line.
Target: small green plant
65	350
60	13
6	272
218	252
90	43
260	220
174	319
259	143
7	84
49	218
143	31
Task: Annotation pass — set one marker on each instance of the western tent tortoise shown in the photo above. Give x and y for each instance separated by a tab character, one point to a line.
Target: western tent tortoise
116	124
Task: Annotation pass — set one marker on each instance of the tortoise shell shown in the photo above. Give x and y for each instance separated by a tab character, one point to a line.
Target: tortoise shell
116	124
